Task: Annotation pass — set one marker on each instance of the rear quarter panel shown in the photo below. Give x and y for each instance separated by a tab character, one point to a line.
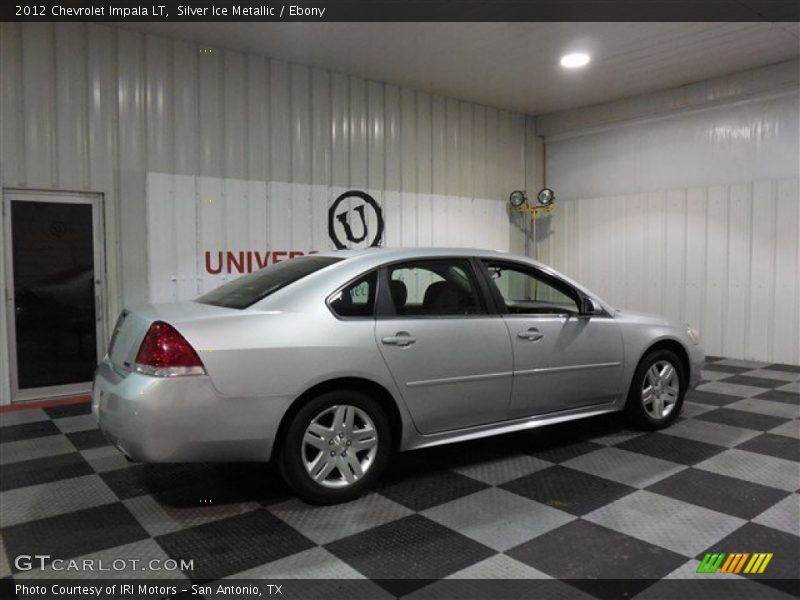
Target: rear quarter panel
280	353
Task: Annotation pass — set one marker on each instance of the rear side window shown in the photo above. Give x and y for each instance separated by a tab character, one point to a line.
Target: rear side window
356	299
249	289
430	288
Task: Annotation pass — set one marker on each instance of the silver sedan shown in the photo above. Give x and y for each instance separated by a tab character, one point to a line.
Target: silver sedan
328	363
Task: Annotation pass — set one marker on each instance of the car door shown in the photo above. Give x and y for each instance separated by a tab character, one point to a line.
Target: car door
562	359
451	358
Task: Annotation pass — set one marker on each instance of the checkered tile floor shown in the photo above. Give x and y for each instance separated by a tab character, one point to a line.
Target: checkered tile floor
580	501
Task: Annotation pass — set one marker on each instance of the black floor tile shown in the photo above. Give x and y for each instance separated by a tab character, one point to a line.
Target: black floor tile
568	490
88	439
74	534
138	479
256	482
741	418
451	456
779	396
233	544
727	495
751	537
227	484
562	453
779	446
710	398
427	460
412	547
726	369
672	448
430	489
584	550
43	470
784	368
27	431
761	382
69	410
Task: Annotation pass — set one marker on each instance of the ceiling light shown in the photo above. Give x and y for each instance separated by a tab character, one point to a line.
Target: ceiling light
575	60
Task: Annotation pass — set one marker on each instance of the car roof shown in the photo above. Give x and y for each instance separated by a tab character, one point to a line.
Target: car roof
388	254
373	257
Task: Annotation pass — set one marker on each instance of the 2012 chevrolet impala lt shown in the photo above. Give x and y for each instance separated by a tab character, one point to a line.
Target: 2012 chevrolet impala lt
329	363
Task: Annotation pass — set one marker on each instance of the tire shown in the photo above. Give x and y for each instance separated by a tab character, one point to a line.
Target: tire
334	452
647	399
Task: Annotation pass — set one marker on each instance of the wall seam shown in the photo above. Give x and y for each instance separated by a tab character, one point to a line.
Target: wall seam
54	170
749	288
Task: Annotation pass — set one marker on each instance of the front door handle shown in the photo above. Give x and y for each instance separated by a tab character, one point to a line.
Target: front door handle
401	338
531	334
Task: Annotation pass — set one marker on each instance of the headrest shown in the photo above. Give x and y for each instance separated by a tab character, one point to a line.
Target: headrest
443	296
399	292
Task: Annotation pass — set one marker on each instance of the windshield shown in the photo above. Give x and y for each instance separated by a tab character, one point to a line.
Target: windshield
249	289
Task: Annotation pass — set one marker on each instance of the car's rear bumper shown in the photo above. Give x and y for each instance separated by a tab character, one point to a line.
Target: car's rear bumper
182	419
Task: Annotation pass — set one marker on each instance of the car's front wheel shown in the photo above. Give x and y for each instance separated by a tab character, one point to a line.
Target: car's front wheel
336	447
657	390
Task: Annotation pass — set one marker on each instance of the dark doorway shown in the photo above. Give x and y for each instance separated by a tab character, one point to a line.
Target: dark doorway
55	292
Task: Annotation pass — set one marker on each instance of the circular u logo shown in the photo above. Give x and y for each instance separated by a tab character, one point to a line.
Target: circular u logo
354	226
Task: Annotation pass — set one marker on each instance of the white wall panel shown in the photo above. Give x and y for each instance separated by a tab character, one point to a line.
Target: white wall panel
694	216
723	258
256	150
72	149
235	237
749	84
90	106
739	142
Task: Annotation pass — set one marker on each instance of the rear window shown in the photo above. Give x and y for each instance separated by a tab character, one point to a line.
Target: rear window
249	289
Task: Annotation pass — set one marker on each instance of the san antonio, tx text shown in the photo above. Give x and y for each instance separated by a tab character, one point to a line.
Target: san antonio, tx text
185	10
235	591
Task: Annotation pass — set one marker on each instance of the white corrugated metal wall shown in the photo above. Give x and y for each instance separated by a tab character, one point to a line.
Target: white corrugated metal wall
105	109
694	216
174	134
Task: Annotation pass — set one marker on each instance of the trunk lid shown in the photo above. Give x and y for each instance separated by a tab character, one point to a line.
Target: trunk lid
133	323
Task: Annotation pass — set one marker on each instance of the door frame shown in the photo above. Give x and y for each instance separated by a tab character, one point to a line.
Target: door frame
95	199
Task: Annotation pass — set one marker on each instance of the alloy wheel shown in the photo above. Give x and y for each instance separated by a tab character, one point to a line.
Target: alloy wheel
339	446
660	389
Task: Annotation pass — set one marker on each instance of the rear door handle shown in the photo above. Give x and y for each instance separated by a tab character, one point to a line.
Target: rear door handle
531	334
401	338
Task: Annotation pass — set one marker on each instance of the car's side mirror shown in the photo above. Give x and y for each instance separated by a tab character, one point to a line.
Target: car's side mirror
589	308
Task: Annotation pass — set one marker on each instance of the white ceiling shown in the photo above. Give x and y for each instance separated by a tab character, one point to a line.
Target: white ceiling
511	65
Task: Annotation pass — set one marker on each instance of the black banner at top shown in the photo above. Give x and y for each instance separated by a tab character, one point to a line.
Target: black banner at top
402	10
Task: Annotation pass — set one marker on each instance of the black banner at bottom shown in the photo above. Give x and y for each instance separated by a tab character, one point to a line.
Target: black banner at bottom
710	587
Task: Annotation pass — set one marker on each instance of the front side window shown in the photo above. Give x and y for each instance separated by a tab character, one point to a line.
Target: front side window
248	289
445	287
524	291
357	299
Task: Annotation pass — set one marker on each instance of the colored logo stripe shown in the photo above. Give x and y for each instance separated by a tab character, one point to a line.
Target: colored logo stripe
711	562
734	562
758	563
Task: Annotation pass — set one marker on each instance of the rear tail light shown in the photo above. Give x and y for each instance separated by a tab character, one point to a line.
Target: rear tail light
166	353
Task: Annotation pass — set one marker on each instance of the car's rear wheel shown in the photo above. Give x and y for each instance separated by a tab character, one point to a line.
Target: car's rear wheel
657	390
336	447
